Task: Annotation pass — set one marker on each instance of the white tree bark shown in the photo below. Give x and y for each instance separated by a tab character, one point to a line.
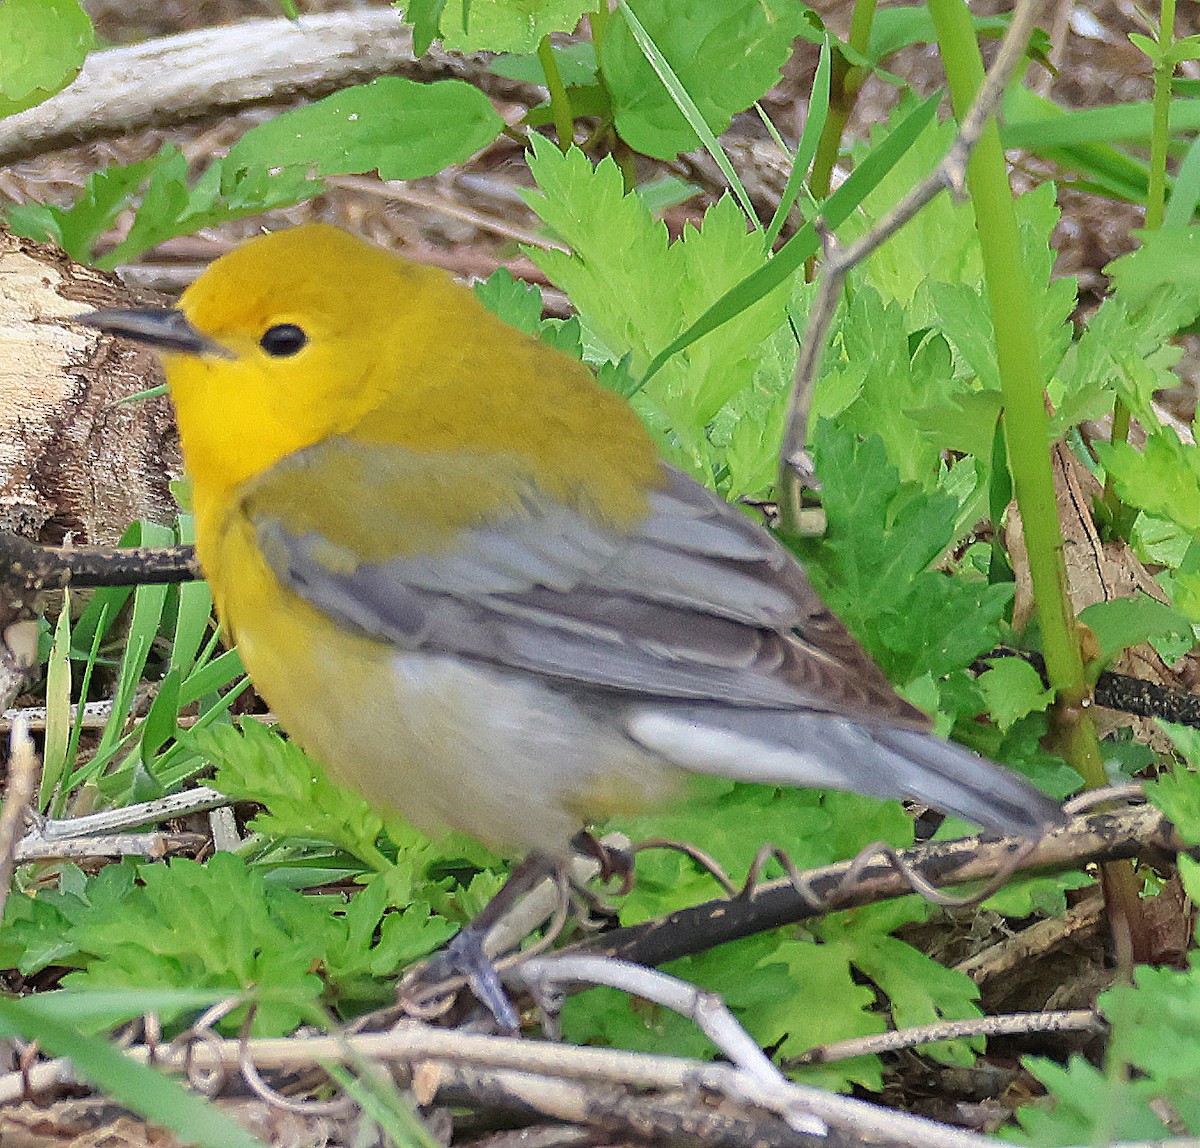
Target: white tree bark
72	462
173	79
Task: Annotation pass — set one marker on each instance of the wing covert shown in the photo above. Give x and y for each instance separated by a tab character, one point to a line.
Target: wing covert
697	602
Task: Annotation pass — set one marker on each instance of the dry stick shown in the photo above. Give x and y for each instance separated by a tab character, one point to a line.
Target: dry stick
217	71
1138	832
153	846
24	773
396	190
706	1010
197	800
1043	937
950	175
417	1044
618	1114
1008	1024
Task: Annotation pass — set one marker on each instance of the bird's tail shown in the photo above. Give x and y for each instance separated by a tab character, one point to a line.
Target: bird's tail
825	751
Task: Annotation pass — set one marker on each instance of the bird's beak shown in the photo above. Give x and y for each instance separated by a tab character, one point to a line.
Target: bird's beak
161	327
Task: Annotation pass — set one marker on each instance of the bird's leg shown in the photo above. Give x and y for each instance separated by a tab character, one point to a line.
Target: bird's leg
613	861
465	955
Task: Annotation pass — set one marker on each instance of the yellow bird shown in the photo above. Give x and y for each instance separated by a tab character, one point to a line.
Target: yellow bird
460	575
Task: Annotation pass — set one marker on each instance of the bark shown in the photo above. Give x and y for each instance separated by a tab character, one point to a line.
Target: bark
73	463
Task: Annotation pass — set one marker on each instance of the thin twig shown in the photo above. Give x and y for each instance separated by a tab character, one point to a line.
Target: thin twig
950	175
415	1044
1010	1024
24	772
1029	944
706	1010
400	192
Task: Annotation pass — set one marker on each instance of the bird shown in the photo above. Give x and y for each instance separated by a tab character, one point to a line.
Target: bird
460	574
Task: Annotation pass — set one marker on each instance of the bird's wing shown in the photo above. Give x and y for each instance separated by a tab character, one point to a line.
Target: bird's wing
696	602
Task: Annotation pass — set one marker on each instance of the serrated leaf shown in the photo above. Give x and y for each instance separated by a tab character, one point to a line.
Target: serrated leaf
242	935
635	291
871	567
256	764
424	16
519	304
1162	478
1013	689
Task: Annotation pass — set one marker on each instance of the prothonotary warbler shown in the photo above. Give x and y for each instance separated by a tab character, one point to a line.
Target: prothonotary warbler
461	576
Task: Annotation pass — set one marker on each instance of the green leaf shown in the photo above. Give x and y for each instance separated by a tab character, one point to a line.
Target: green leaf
725	53
1089	1107
1177	793
424	16
1168	257
791	256
920	991
1163	478
576	64
1185	195
242	936
43	44
150	1094
806	149
256	764
635	291
1013	689
77	228
170	205
504	25
872	567
896	28
1128	621
1132	122
399	127
518	303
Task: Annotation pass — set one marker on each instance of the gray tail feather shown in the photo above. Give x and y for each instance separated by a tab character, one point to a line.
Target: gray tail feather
958	781
825	750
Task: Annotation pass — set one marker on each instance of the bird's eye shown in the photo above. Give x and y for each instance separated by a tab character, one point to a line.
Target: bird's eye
282	340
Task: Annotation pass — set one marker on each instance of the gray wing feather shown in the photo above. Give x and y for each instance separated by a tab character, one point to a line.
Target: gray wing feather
700	603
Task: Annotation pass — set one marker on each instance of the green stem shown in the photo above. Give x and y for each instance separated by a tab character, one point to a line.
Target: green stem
1026	424
844	85
1164	71
560	102
598	22
1156	197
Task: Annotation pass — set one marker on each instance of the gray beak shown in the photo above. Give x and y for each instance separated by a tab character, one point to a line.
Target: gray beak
160	327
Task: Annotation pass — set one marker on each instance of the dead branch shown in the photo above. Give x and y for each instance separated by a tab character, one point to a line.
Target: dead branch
1139	832
217	71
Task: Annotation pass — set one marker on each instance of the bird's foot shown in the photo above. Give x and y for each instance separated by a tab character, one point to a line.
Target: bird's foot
428	990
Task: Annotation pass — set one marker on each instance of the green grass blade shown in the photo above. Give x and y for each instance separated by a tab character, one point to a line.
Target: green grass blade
814	124
194	611
58	706
153	1096
1129	122
1186	193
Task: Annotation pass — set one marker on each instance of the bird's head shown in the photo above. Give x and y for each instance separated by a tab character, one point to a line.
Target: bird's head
285	341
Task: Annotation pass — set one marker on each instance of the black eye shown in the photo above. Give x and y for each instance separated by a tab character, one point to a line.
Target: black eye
282	340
